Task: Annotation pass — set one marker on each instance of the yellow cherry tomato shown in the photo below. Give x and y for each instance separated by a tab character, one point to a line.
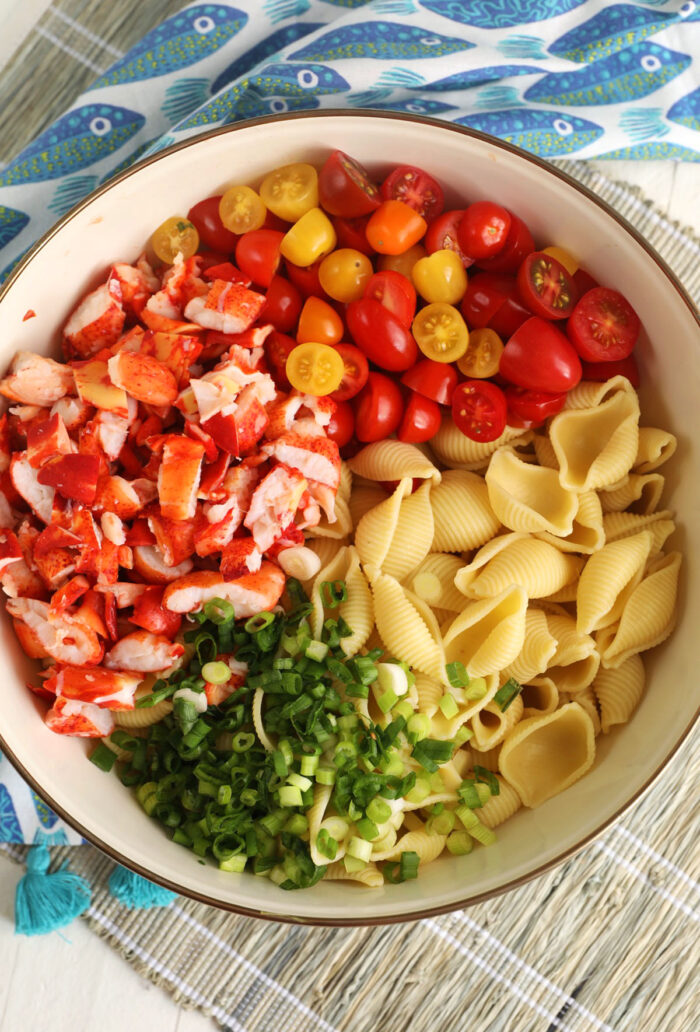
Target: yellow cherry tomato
309	238
402	263
241	209
315	368
564	258
483	354
290	191
319	322
175	236
344	273
440	332
440	276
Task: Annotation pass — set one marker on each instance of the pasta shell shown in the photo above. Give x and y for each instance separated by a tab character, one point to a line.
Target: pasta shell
429	691
607	578
487	758
428	847
572	645
143	716
587	701
393	460
314	815
544	451
538	648
638	492
587	534
454	771
454	449
544	755
370	875
357	610
536	566
258	725
364	497
489	634
445	728
623	524
461	512
345	485
529	498
434	582
339	528
413	534
574	677
500	807
325	548
376	529
539	697
591	393
619	692
653	449
403	627
491	725
596	446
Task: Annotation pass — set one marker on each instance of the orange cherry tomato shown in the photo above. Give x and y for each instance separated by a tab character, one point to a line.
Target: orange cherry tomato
483	354
319	322
394	227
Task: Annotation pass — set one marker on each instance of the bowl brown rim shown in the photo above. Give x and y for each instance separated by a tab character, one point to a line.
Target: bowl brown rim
413	915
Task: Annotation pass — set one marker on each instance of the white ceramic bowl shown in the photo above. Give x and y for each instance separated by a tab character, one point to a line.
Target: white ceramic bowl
114	223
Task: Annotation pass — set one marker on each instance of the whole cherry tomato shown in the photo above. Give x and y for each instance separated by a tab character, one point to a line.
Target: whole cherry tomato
545	287
378	408
278	347
310	238
205	217
519	243
492	299
342	424
539	356
602	371
402	263
564	258
396	292
306	279
442	235
421	419
440	277
344	273
483	229
483	355
353	233
345	187
282	305
434	380
395	227
355	374
532	407
479	410
319	322
290	191
440	332
414	187
258	255
314	368
603	326
380	335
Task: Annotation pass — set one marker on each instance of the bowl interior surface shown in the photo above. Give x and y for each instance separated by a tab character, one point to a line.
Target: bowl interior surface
116	225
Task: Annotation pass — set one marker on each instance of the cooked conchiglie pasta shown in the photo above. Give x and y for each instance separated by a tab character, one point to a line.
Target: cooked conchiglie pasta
587	701
357	609
429	691
596	446
591	393
587	534
393	460
488	634
339	528
539	697
623	524
573	677
402	626
638	492
535	565
544	755
500	807
315	815
607	578
326	549
544	452
491	725
434	581
258	724
619	692
143	716
369	875
345	485
455	770
363	497
654	448
529	498
539	646
413	534
428	847
463	517
445	728
573	645
454	449
565	594
486	758
376	529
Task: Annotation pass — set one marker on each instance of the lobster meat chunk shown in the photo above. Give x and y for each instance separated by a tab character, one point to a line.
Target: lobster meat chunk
227	307
80	719
96	323
250	594
36	380
144	652
274	503
108	689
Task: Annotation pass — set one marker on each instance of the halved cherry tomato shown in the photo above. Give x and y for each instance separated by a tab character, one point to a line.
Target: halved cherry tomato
394	227
519	243
479	410
421	419
205	217
319	322
539	356
414	187
402	263
258	255
434	380
440	332
603	327
176	235
341	426
491	299
353	233
532	407
483	354
282	305
442	235
440	276
278	347
396	292
378	408
602	371
315	369
241	209
545	286
564	258
344	273
290	191
355	374
483	229
345	188
305	279
584	282
380	335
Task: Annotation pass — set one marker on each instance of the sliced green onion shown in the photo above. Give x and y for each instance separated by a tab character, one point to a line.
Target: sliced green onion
326	844
360	848
404	709
431	752
299	782
462	735
297	824
488	778
290	795
219	610
216	672
457	675
459	843
326	775
407	868
259	622
317	651
387	701
476	690
103	757
467	792
234	864
378	810
367	829
353	864
448	706
442	824
507	693
333	593
309	765
417	727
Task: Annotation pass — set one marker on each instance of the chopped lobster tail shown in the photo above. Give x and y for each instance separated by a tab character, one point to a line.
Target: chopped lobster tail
144	652
227	307
274	503
35	380
80	719
317	458
96	323
249	594
178	477
108	689
240	557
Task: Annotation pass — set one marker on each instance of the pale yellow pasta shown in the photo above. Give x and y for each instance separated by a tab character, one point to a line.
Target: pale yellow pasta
573	677
491	725
340	527
486	758
535	565
357	609
326	549
544	452
363	497
315	815
393	460
573	645
587	534
539	646
434	581
619	692
402	627
429	691
258	725
539	697
345	485
565	594
653	449
529	498
623	524
587	701
462	513
607	578
413	534
457	451
500	807
369	875
638	492
428	847
544	755
143	716
454	771
591	393
445	728
488	634
376	529
595	447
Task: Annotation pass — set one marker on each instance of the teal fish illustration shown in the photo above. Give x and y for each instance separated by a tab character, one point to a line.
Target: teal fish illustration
349	4
686	111
70	191
46	816
493	97
632	73
130	160
657	150
290	80
74	141
251	105
278	10
414	106
464	80
526	47
689	11
10	830
614	27
643	123
11	265
382	41
184	96
12	222
272	44
499	14
547	133
178	42
218	109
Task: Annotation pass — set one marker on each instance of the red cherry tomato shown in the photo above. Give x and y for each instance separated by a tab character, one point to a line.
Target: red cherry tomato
492	300
258	254
396	292
355	375
414	187
345	188
532	407
205	218
278	347
483	229
602	371
479	410
305	279
421	419
380	335
342	424
603	327
434	380
545	286
584	282
282	305
518	244
352	233
442	235
539	356
378	408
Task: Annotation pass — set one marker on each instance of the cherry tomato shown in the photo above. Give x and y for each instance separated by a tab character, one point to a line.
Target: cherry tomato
258	255
519	243
241	209
319	322
290	191
278	347
539	356
344	274
545	286
310	238
491	299
353	233
380	335
282	305
584	282
396	292
440	277
563	257
442	235
414	187
205	217
315	368
345	187
378	408
434	380
402	263
441	333
483	354
342	424
306	279
175	236
479	410
355	374
602	371
421	419
532	407
225	271
394	227
483	229
603	327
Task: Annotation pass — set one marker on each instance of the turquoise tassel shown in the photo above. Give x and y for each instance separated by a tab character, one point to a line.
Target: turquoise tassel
134	891
45	901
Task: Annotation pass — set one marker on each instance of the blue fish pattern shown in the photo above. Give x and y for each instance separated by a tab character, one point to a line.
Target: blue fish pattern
547	133
75	141
253	106
686	111
632	73
278	10
382	41
47	818
218	109
183	97
180	41
290	80
267	47
660	150
615	27
464	80
12	222
499	14
413	106
10	830
130	160
13	263
69	192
